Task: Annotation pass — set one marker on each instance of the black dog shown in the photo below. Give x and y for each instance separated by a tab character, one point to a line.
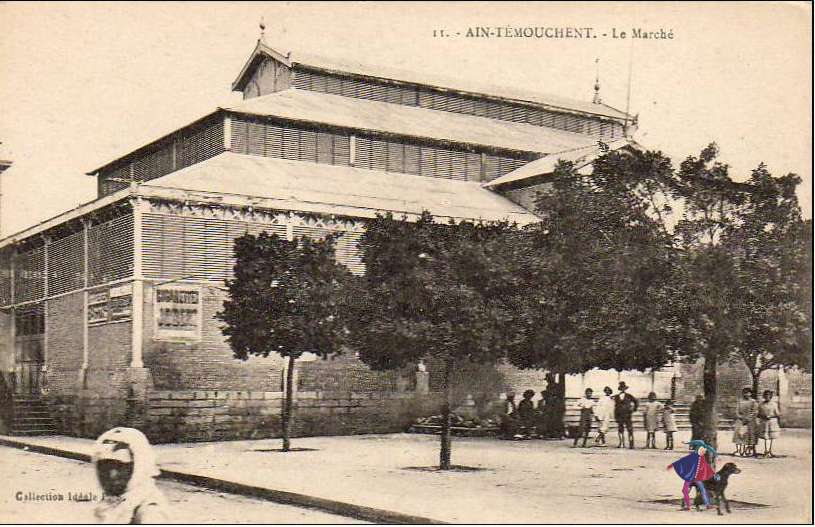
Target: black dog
716	486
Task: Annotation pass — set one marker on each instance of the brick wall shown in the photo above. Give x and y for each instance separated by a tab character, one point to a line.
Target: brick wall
197	415
207	363
64	359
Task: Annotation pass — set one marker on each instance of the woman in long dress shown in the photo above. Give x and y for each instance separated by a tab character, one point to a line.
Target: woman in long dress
769	416
744	431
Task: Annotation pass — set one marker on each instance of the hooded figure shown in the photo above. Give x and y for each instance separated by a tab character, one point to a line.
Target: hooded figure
694	469
126	469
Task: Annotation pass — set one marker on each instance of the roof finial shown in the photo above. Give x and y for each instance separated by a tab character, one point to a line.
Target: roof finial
597	99
262	30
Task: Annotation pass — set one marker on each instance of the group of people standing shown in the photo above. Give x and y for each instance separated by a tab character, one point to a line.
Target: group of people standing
756	420
622	407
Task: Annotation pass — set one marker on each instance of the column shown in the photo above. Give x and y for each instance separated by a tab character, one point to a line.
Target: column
137	309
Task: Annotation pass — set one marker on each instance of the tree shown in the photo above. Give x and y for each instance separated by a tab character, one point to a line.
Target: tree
596	273
771	245
431	290
284	300
708	302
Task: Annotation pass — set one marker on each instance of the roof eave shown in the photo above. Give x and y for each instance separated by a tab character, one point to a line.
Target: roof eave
622	119
96	171
261	50
72	214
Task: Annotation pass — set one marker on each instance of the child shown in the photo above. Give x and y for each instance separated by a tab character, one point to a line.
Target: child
694	469
769	416
669	423
586	405
604	412
126	468
651	411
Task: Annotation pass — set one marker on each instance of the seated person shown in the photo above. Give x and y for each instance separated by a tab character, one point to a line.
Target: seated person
526	414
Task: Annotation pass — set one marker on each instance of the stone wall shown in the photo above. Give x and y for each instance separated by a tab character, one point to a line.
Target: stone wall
187	415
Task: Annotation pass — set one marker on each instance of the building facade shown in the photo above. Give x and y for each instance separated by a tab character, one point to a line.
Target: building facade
107	310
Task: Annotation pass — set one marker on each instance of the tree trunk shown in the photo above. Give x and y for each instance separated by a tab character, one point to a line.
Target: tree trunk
756	377
560	386
710	423
444	455
287	404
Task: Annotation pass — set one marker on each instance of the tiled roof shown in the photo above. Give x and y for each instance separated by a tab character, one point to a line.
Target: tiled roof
378	116
340	190
580	157
427	79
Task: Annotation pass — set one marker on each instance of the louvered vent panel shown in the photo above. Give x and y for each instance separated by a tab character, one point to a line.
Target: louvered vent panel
472	169
427	162
155	164
110	250
218	250
5	277
29	275
273	141
196	248
315	233
152	240
325	148
348	252
194	147
257	228
412	159
234	229
363	152
308	146
396	157
342	150
66	264
256	139
491	168
239	134
379	155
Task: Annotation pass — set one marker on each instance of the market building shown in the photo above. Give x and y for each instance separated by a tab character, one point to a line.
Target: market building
107	310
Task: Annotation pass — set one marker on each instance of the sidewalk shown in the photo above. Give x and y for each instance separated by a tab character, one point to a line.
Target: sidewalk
521	482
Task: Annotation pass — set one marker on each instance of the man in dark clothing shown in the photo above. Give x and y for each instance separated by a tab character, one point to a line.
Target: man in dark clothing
509	417
697	417
625	405
526	414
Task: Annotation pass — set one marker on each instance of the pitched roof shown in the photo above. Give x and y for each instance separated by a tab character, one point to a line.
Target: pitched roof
340	190
349	112
580	157
426	79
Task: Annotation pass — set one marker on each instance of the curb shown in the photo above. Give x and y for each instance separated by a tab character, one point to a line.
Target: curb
348	510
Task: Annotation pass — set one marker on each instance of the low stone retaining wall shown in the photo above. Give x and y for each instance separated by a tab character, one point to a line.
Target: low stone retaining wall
177	416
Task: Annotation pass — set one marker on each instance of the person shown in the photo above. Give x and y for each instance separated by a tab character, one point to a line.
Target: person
625	405
669	424
6	406
526	414
540	416
586	406
604	412
509	417
553	407
697	417
744	431
694	470
650	412
126	470
769	417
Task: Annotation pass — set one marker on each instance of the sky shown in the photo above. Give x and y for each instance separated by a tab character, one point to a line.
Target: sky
82	84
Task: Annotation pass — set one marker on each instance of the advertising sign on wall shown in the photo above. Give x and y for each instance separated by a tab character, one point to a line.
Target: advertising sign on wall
177	311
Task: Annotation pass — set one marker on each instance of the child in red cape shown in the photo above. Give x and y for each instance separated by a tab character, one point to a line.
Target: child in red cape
694	469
